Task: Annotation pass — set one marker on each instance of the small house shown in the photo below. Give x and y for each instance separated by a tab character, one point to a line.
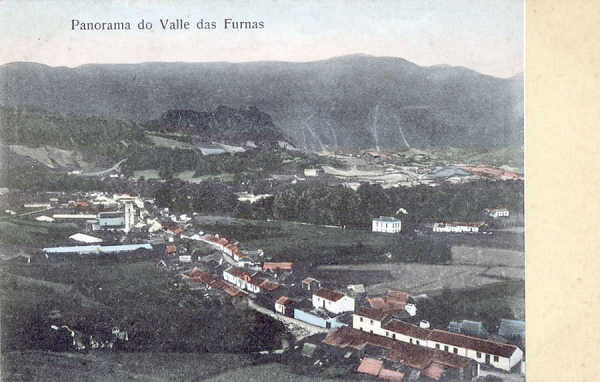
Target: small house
510	329
284	305
312	171
332	301
274	267
311	284
497	212
386	224
471	328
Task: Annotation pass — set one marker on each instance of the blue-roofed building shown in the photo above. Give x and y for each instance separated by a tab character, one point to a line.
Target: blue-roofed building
472	328
96	249
211	150
511	328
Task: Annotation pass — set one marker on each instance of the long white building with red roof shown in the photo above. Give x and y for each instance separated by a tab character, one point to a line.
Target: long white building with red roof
457	227
500	355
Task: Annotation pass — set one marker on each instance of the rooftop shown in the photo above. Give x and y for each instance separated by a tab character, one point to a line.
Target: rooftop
374	314
370	366
479	344
414	356
407	329
329	294
284	300
277	266
461	224
87	249
387	219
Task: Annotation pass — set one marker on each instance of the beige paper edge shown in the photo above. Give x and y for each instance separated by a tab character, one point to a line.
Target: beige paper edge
562	156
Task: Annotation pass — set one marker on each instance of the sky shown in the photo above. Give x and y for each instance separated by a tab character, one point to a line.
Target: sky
483	35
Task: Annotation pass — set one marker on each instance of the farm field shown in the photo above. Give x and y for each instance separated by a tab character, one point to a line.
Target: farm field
470	268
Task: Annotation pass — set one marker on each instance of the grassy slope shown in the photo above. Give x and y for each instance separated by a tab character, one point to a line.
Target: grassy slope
47	366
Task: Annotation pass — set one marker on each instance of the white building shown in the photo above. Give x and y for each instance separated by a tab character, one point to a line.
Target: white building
251	283
36	205
496	354
85	238
387	224
284	305
332	301
497	212
312	171
458	227
129	216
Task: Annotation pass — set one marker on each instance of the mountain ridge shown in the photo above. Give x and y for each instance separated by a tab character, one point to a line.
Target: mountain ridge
355	101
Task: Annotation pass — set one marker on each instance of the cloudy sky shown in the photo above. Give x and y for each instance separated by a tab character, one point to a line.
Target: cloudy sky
484	35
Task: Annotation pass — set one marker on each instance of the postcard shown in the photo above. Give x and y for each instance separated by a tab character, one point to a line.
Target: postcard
262	191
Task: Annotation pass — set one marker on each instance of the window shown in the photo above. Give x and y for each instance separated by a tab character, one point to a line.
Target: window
361	319
411	340
387	334
417	342
446	348
455	350
371	322
437	346
478	355
394	336
495	358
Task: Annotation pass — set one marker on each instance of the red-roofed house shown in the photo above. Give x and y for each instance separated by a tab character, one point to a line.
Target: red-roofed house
332	301
394	301
391	375
311	284
277	266
174	230
197	275
284	305
370	366
247	281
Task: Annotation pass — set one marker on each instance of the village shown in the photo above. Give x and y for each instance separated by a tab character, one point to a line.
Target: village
379	334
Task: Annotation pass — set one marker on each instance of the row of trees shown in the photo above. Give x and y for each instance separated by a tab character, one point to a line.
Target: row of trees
339	205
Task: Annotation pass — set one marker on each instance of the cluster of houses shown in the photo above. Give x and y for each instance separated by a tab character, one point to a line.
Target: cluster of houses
78	341
383	329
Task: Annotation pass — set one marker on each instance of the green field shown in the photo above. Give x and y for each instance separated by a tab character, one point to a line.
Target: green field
31	232
314	244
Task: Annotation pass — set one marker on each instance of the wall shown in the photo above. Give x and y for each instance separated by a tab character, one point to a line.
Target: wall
366	325
316	320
